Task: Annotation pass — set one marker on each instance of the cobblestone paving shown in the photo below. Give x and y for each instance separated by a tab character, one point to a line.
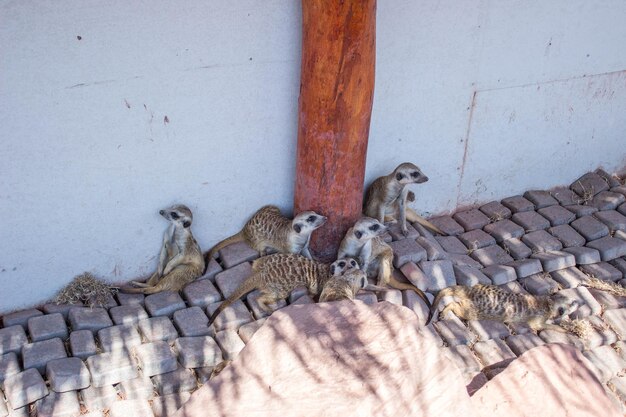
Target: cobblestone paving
143	356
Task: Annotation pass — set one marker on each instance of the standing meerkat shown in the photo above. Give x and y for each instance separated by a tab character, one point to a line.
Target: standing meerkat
180	260
490	302
387	197
362	241
268	229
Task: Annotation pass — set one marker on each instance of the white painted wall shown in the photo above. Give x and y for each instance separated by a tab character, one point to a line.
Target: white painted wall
490	98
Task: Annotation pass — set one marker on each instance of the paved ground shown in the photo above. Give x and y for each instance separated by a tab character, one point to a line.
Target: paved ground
144	356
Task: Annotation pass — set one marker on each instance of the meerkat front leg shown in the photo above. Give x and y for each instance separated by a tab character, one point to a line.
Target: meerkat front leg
173	263
365	256
305	250
402	206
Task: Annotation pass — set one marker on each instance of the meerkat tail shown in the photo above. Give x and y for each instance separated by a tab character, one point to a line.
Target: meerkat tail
228	241
393	282
248	285
131	290
140	284
414	217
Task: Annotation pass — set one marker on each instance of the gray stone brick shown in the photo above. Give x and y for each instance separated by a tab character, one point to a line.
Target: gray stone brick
464	260
476	239
540	198
495	211
620	234
488	329
52	308
12	339
434	251
599	335
197	352
504	230
621	189
539	284
212	269
232	317
155	358
135	408
305	299
47	327
9	365
582	211
500	274
447	225
4	411
471	219
367	297
518	204
121	336
164	303
67	374
584	255
541	241
526	267
407	250
237	253
230	343
438	274
492	351
607	300
607	200
139	388
192	322
454	333
588	305
516	248
513	286
201	293
82	344
386	237
176	381
429	333
451	244
609	247
84	318
590	228
520	328
469	276
613	219
491	255
555	260
128	314
622	209
590	183
619	263
107	303
463	357
248	330
414	303
98	398
111	367
569	277
531	221
24	388
37	354
58	405
297	293
255	307
229	280
566	197
125	299
20	317
602	270
157	328
617	385
557	215
396	232
392	296
617	320
607	362
612	180
520	343
167	405
553	336
567	235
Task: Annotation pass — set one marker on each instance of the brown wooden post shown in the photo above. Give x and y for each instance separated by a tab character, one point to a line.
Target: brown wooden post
335	106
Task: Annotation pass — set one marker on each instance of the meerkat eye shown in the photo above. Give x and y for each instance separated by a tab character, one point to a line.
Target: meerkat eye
358	234
310	219
174	215
399	176
374	227
415	174
561	311
342	264
353	262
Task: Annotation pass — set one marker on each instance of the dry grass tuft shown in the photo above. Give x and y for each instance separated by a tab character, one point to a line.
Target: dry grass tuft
608	286
581	328
85	289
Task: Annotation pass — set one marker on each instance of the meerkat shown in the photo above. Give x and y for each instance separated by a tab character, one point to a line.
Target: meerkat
387	197
347	279
268	230
362	241
490	302
180	259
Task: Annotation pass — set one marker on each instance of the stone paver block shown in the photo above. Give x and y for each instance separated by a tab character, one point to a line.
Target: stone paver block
516	248
229	280
600	334
212	269
156	358
24	388
619	263
168	404
518	204
454	333
201	293
386	237
192	322
540	284
540	198
258	313
617	320
121	336
609	247
553	336
569	277
47	327
491	255
566	197
367	297
98	398
464	260
107	303
392	296
500	274
557	215
135	408
197	352
520	343
414	303
617	385
476	239
531	221
488	329
582	211
12	339
232	317
621	189
176	381
434	251
590	228
415	275
589	184
230	343
588	305
9	365
82	344
607	200
520	328
451	244
584	255
111	367
20	317
396	232
431	334
128	314
84	318
139	388
58	405
36	355
237	253
622	208
602	270
492	351
612	180
541	241
447	225
504	230
297	293
607	362
567	235
526	267
125	299
613	219
470	276
248	330
157	328
607	300
67	374
463	357
555	260
471	219
164	303
407	250
52	308
513	286
439	274
495	211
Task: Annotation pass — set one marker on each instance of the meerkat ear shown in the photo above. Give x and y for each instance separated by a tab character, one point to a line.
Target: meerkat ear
186	224
297	227
358	234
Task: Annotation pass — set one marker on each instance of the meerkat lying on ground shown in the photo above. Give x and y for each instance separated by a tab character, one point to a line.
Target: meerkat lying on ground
362	241
490	302
269	230
180	260
387	197
346	281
